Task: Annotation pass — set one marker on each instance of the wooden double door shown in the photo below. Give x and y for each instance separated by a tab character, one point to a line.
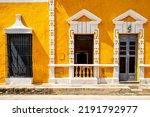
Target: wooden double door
128	57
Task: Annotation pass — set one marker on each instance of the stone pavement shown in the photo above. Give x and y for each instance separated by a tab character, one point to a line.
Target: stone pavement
71	97
75	89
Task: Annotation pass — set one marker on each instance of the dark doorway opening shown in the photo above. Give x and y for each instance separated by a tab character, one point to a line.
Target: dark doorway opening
84	49
83	55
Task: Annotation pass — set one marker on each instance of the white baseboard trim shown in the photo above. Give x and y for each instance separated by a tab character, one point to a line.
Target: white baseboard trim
83	81
108	80
19	81
73	80
145	81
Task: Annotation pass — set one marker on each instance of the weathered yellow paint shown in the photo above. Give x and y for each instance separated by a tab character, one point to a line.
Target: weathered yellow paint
107	10
35	16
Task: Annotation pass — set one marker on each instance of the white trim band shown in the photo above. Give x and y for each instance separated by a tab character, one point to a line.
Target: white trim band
73	80
84	81
15	81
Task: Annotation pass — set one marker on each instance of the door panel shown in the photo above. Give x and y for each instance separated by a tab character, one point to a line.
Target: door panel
132	65
128	55
123	65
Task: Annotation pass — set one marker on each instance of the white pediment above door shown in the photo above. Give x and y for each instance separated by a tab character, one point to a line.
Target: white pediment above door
86	13
130	13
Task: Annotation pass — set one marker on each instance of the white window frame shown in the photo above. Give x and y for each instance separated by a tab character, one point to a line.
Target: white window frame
18	28
88	27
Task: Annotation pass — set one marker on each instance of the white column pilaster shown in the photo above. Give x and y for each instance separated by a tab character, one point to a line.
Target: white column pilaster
52	36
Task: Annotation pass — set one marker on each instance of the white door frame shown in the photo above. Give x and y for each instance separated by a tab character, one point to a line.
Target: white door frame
129	28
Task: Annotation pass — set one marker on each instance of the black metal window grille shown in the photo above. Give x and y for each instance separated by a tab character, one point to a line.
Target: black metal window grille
19	48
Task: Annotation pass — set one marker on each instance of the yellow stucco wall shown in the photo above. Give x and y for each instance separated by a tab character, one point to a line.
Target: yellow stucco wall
107	10
35	16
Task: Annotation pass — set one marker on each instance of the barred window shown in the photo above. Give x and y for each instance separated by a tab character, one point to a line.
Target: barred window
19	47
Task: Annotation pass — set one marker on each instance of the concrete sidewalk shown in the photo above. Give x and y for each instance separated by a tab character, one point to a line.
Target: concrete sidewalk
71	97
78	89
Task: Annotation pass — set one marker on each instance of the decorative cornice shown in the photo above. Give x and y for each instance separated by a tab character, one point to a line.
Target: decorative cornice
132	14
18	27
84	12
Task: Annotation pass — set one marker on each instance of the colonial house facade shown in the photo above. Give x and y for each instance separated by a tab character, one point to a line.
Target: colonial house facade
74	41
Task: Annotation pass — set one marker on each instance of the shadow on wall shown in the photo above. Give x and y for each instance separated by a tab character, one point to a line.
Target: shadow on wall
40	60
106	38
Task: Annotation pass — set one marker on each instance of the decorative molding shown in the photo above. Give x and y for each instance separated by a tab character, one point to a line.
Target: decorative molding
5	1
88	27
52	36
18	27
132	14
129	28
84	12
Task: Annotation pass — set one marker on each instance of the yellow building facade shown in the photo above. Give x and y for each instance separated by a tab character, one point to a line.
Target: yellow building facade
74	41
